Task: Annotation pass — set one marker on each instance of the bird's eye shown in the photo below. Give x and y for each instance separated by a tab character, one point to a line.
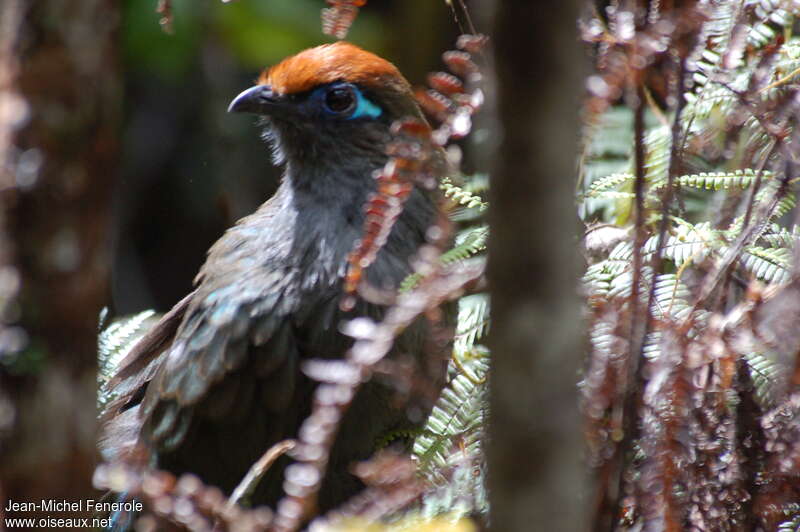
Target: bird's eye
346	101
340	100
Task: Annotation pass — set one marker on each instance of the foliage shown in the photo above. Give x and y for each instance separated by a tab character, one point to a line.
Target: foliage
450	447
114	342
691	314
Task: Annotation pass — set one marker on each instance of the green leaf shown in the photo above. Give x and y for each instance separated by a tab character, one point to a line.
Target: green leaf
772	265
722	180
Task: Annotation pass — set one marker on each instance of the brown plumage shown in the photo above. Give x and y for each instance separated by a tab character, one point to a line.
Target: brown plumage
219	380
340	61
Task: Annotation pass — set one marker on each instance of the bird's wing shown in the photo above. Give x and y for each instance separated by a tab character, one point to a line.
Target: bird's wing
241	311
125	387
224	325
131	373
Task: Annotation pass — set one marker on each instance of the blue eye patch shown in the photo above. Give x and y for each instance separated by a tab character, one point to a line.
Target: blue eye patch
364	107
346	101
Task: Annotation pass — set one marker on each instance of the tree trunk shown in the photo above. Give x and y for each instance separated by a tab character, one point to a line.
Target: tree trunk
59	117
535	473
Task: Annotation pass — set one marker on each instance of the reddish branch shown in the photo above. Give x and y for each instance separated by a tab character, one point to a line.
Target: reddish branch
337	19
164	8
177	503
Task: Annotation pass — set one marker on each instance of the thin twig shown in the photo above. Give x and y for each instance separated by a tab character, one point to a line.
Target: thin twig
470	27
713	279
639	324
655	267
757	185
258	470
462	370
624	413
672	170
785	79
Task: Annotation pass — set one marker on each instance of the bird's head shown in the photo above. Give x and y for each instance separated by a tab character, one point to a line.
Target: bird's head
332	104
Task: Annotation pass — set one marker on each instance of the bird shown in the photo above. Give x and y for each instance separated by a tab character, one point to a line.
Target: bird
218	379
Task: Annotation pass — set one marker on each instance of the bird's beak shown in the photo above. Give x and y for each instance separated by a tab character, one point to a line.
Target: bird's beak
259	100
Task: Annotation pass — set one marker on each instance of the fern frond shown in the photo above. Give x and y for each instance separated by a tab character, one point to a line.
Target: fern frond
614	195
605	184
621	287
459	410
771	265
784	206
600	277
114	343
658	142
722	180
461	195
622	253
713	100
779	237
765	373
473	322
792	524
469	243
455	426
688	242
773	18
603	339
719	26
671	302
118	339
671	297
